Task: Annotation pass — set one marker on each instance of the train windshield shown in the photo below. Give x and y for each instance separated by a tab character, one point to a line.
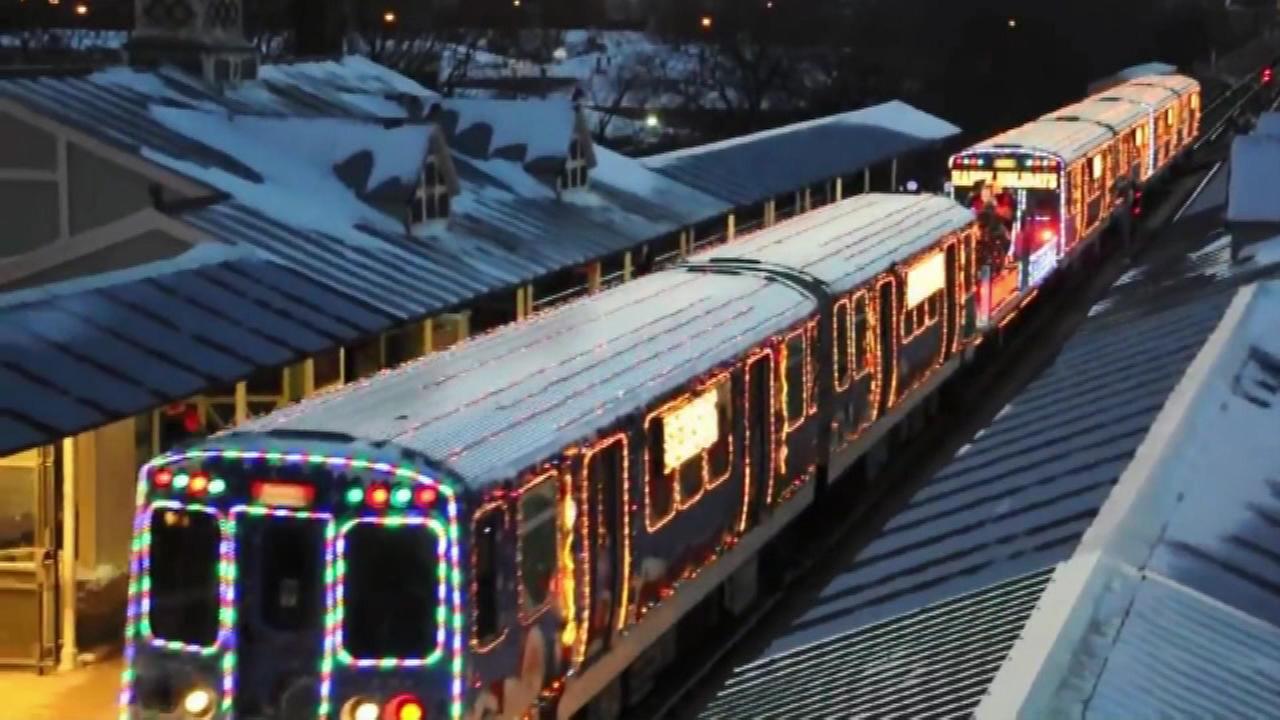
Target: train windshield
391	591
182	570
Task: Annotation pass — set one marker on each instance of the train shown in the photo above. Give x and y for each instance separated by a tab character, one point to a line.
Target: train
517	526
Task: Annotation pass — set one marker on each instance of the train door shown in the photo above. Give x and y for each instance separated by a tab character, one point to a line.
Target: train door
953	300
605	521
759	430
886	341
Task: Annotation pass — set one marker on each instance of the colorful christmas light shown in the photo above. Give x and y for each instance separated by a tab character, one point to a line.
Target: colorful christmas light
449	577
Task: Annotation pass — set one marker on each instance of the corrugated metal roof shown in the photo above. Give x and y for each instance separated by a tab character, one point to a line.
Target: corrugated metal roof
83	353
1115	113
494	406
855	239
1179	654
1018	498
507	229
1171	606
931	663
754	168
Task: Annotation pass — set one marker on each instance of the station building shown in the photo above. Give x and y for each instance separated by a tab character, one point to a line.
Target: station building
194	238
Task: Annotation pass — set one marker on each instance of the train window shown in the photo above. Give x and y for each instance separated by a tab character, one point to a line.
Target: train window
660	486
183	573
690	478
812	356
861	349
390	591
486	536
719	456
536	552
794	377
842	333
1095	167
908	323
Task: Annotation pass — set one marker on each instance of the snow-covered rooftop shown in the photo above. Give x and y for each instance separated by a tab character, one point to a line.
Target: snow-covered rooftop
1169	606
1254	194
524	130
752	168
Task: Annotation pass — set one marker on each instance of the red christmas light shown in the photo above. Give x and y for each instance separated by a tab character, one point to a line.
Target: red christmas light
425	496
378	496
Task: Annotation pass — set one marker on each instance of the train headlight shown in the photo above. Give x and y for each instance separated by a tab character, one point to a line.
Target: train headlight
361	709
198	703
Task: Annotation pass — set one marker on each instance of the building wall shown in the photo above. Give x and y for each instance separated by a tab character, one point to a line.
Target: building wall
107	466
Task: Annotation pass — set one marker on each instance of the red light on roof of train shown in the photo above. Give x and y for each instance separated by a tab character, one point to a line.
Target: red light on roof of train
379	495
199	483
425	496
163	477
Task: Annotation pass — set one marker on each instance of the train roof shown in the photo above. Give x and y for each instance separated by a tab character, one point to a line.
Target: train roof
1067	139
1109	111
496	405
1178	83
848	243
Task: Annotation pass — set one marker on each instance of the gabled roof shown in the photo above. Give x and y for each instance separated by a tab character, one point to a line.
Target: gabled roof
86	352
753	168
318	154
848	243
1171	606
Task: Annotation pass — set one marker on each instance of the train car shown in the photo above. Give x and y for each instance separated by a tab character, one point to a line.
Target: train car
1065	176
515	527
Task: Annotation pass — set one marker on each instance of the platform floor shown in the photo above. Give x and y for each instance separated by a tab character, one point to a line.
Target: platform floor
87	693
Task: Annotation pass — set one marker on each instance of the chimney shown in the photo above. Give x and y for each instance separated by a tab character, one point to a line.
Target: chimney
202	37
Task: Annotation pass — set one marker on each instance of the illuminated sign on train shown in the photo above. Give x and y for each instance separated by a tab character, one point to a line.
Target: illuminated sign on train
925	278
1008	179
1041	263
689	429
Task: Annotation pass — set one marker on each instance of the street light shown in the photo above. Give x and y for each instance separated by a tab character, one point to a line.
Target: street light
705	21
389	17
651	120
82	9
1013	23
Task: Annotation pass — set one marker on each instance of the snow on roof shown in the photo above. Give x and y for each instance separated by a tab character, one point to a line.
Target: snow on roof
1268	124
1254	191
494	406
847	243
527	129
1114	112
894	115
1182	84
1179	564
295	159
1066	139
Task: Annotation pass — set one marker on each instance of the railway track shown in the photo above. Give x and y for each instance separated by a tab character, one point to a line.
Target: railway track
838	527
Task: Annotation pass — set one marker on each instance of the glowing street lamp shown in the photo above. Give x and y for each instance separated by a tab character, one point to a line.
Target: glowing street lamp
651	121
82	9
705	22
389	17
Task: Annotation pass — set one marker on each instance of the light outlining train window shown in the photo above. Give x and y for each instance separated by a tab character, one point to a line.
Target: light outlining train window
390	590
487	530
181	565
862	353
842	332
536	548
689	449
794	379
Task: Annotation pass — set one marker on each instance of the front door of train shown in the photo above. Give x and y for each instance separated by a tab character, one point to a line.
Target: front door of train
605	524
280	624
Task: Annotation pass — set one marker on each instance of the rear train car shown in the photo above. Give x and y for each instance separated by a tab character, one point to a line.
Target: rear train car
518	525
1058	181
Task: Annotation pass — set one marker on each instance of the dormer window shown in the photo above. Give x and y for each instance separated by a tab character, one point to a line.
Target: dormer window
431	199
575	167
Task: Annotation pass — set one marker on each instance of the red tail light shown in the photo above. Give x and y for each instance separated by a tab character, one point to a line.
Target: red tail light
405	707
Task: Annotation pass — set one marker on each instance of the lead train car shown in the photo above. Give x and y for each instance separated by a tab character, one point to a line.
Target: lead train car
510	525
1070	172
